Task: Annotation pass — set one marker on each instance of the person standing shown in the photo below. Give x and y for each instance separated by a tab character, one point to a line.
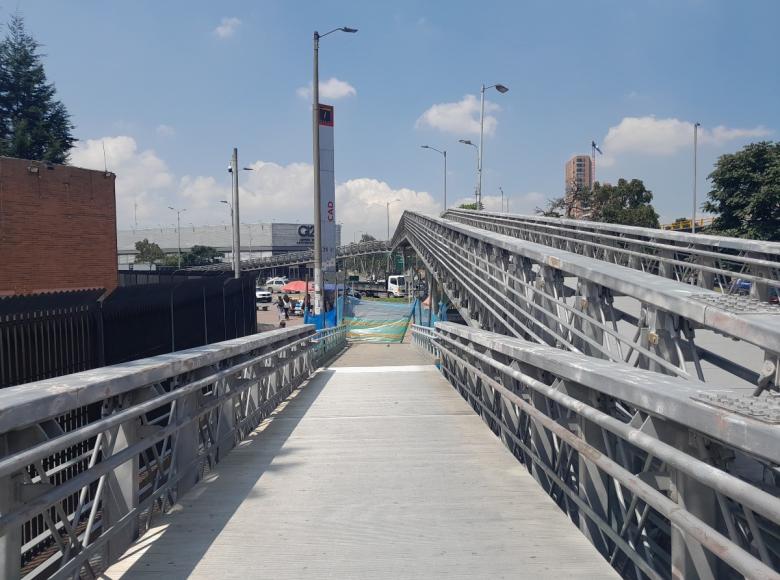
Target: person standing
287	306
280	311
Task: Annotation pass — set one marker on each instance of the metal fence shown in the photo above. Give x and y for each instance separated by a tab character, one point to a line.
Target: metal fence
605	310
88	459
707	261
662	480
48	335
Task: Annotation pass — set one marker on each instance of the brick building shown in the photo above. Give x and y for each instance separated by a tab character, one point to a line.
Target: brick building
57	227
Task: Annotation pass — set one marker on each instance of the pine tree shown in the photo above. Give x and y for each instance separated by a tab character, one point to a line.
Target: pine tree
33	123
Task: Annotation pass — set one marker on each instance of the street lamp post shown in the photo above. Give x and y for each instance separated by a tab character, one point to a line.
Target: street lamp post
388	215
178	228
319	286
476	187
388	229
501	189
249	228
444	153
501	89
695	155
235	216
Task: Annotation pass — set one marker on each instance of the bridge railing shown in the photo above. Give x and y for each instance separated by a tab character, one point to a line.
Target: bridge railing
87	459
423	336
300	258
328	343
560	298
707	261
663	482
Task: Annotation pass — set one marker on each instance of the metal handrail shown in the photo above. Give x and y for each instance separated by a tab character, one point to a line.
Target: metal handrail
713	262
567	414
423	336
152	427
525	289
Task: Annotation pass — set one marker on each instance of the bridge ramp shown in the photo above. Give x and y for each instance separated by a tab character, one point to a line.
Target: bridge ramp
375	469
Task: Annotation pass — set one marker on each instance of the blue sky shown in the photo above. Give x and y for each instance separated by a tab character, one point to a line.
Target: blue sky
170	87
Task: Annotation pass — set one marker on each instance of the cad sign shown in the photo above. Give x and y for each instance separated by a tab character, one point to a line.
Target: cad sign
331	211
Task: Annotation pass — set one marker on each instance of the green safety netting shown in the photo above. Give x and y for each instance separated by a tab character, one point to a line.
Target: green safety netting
377	321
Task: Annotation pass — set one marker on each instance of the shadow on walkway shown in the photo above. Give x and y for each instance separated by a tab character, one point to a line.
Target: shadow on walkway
202	513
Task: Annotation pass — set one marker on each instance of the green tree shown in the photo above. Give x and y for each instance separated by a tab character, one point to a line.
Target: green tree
200	256
745	193
367	238
626	203
148	252
33	123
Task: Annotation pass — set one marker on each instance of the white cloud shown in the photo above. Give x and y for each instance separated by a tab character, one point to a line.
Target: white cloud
523	203
661	137
141	176
332	88
164	130
361	205
461	118
269	192
227	27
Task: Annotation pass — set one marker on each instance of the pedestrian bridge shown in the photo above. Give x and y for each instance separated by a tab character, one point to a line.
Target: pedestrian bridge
376	468
609	409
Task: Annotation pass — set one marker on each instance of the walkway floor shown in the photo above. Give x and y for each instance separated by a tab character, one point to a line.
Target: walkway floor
367	472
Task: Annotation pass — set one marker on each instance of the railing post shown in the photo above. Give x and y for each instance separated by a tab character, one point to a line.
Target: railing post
11	539
186	448
121	497
589	301
593	484
689	559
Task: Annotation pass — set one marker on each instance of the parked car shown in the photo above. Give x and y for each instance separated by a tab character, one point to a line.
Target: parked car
263	298
275	284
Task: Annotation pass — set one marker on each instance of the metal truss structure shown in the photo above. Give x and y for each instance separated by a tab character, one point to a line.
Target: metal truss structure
665	484
712	262
592	306
87	460
299	258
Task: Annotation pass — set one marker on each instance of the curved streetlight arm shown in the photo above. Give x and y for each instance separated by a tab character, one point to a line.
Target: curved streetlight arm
433	149
340	28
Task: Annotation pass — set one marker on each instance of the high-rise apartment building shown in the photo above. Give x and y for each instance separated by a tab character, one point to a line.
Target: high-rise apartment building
578	175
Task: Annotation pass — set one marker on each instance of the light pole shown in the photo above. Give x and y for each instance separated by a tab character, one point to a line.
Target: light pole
249	227
501	189
387	267
233	169
695	155
501	89
319	286
471	144
444	153
388	216
234	216
178	228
